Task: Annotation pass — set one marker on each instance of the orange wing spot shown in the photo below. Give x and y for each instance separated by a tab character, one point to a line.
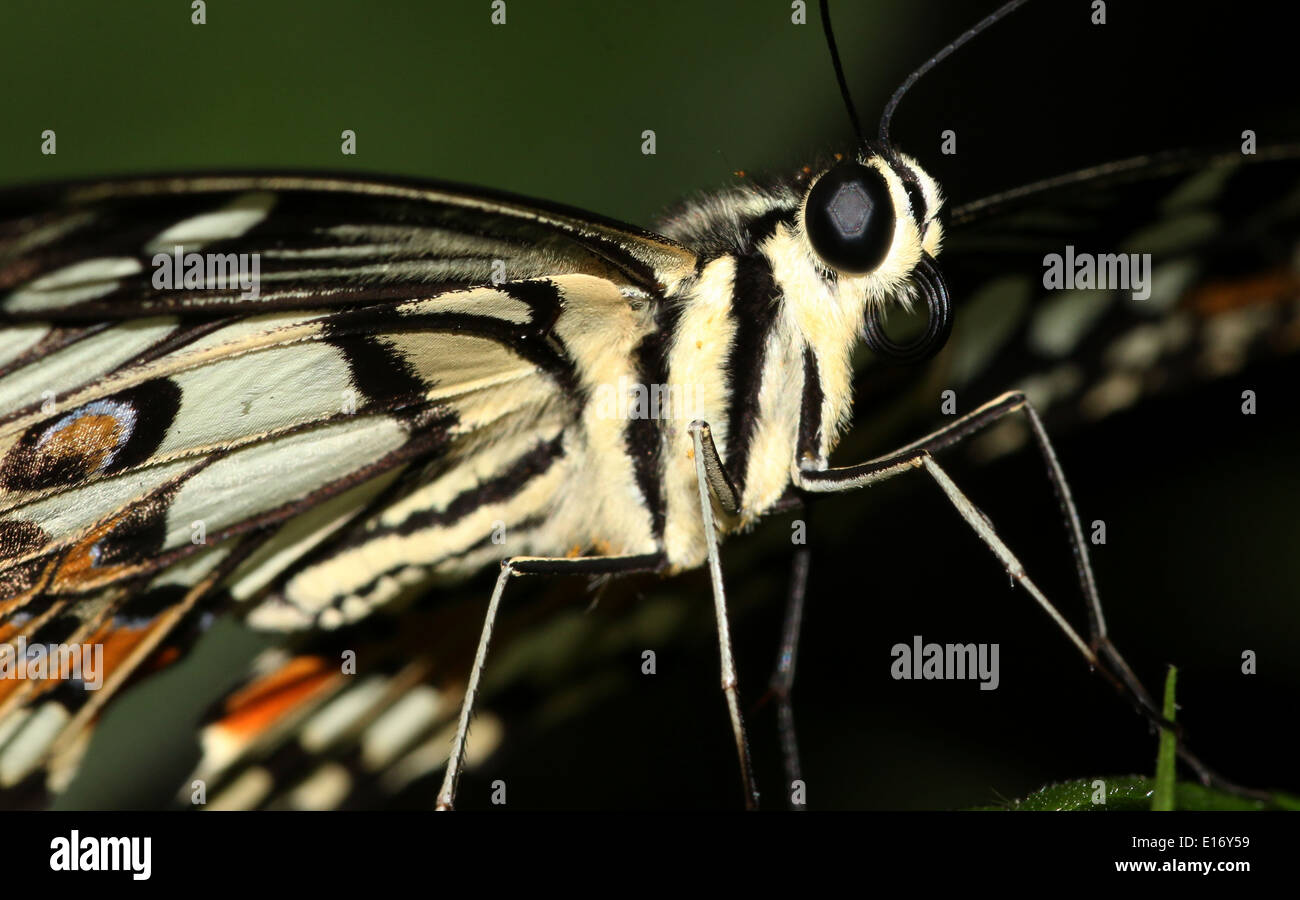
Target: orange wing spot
690	453
807	170
79	569
574	552
89	438
162	659
839	157
739	173
699	345
1262	290
254	708
119	642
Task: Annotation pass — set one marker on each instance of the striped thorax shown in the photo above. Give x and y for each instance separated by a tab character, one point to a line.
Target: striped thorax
768	325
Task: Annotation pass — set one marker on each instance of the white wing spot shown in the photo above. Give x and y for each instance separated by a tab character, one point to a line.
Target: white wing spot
80	281
1063	320
400	726
324	789
1111	394
25	752
231	221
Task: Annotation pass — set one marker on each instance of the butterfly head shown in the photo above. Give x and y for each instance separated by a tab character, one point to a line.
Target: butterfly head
871	221
872	217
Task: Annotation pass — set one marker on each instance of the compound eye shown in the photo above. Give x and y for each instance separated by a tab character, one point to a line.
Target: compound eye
849	218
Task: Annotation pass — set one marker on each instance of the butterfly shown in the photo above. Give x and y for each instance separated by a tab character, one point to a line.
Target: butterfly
361	377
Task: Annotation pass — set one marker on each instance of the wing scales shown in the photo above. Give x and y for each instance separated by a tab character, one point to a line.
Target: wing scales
398	333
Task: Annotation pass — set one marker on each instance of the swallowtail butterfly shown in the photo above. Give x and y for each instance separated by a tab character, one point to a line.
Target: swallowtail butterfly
420	380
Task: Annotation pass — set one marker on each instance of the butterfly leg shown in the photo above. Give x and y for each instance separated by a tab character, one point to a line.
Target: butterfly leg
919	454
782	681
711	476
1099	652
525	565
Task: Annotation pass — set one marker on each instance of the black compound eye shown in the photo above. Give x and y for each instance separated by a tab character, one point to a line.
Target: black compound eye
849	218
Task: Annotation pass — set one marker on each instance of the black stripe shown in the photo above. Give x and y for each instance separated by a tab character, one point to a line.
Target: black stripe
494	490
533	341
915	197
379	372
142	608
810	408
542	296
594	565
403	483
643	437
428	439
538	342
523	526
754	298
125	303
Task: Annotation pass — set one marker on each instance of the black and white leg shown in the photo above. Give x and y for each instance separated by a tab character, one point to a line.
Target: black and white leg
782	682
525	565
710	476
1099	652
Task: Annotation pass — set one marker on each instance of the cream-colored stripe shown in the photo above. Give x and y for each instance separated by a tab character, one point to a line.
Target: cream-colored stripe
698	357
317	586
264	476
75	283
230	221
258	393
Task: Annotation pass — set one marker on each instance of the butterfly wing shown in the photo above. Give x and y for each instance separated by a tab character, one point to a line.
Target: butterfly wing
169	445
1220	232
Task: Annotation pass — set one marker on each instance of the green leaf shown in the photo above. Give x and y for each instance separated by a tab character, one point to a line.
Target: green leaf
1166	756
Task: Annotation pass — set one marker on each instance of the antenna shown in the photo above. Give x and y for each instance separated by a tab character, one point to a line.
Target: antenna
929	64
839	70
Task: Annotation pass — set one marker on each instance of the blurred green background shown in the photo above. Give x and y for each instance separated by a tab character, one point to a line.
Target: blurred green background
553	105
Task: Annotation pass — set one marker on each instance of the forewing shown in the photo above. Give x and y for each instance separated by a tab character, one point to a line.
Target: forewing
87	252
398	347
